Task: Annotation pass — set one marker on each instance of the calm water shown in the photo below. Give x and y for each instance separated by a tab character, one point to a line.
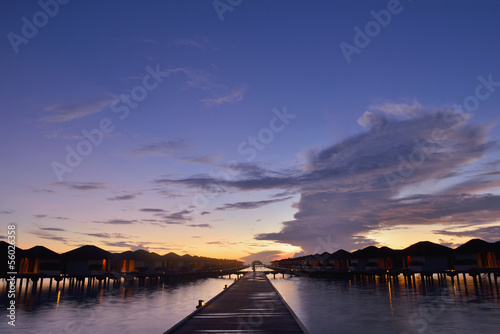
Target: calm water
324	306
336	306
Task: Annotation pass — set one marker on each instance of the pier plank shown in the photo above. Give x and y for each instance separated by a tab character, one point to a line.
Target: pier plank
250	305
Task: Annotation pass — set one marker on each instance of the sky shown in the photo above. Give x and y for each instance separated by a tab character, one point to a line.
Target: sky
249	129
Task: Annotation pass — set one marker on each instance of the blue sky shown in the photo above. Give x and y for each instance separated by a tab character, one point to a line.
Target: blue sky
178	169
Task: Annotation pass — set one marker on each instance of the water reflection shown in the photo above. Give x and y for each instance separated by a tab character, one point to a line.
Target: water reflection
392	306
148	309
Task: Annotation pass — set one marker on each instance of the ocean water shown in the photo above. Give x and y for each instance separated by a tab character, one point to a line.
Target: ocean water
340	306
323	306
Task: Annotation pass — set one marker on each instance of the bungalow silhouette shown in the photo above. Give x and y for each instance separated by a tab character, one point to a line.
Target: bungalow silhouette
475	253
4	265
86	260
426	256
373	258
137	261
338	260
171	261
40	260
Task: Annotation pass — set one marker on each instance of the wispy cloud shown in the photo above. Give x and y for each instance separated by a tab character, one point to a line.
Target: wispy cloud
125	197
168	148
108	235
116	222
179	216
57	229
7	212
199	42
58	113
218	93
152	210
200	225
235	95
83	185
250	205
488	233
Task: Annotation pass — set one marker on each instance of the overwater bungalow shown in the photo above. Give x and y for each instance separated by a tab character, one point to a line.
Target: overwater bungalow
171	261
475	253
426	256
86	260
4	265
40	260
338	260
373	258
137	261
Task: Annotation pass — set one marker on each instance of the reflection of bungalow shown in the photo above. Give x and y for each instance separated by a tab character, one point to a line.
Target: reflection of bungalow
373	258
338	260
87	260
475	253
427	256
40	260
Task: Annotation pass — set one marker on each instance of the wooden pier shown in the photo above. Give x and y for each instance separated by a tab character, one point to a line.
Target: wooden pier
250	305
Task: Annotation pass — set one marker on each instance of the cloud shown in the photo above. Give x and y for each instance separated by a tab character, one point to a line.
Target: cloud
488	233
199	42
179	216
410	166
40	216
203	160
264	256
83	185
107	235
117	222
48	234
152	210
122	197
200	225
64	113
7	212
169	148
250	205
128	245
52	229
345	192
235	95
219	93
205	213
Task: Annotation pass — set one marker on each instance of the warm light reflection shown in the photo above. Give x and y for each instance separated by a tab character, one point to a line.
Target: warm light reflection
58	298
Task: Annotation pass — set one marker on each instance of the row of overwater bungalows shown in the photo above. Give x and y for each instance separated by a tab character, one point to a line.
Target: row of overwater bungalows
91	260
423	256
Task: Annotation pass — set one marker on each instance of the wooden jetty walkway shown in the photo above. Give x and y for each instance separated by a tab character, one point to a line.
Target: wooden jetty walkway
250	305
